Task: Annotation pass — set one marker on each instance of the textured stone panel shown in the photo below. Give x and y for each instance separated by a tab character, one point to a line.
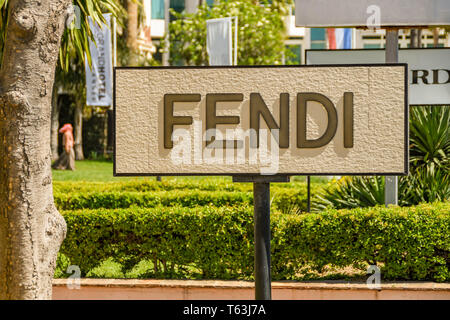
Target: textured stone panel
379	117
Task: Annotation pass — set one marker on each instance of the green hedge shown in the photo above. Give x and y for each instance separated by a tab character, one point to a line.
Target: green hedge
217	243
208	184
284	199
115	200
168	184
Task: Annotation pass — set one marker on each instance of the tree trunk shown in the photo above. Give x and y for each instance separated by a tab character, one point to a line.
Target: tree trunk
78	139
419	38
436	37
132	31
413	38
416	38
31	228
54	124
104	138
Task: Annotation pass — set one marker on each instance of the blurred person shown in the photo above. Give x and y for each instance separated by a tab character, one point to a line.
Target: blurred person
66	160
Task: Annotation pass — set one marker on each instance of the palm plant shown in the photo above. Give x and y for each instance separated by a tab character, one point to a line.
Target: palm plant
429	178
430	137
75	40
352	192
425	186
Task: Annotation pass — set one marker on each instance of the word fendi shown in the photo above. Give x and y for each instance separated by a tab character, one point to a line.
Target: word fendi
257	110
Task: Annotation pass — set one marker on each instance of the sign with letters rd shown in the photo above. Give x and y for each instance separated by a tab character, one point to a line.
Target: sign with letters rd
284	120
429	69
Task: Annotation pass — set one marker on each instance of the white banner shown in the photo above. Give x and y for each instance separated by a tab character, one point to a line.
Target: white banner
219	42
99	78
429	69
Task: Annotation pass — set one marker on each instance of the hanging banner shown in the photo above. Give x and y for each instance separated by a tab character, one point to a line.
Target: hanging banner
219	42
286	120
429	69
99	78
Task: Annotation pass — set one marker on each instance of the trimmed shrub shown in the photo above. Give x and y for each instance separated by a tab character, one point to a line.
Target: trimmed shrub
288	200
206	184
217	243
293	200
115	200
142	185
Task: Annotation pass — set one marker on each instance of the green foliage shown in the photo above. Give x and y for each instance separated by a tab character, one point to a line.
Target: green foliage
261	32
290	199
430	138
429	177
217	243
167	184
294	200
423	185
112	200
351	192
75	39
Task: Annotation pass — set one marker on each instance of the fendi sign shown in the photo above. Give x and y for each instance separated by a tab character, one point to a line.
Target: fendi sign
261	120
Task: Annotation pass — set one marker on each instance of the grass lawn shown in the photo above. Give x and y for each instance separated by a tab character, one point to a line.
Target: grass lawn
102	171
89	170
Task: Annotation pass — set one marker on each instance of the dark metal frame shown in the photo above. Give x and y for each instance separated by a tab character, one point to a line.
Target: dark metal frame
406	113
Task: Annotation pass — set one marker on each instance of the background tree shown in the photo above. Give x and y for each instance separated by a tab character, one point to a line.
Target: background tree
132	31
70	73
261	32
31	228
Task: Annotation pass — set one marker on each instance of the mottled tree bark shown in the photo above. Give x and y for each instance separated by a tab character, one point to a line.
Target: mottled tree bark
31	228
415	38
132	32
436	37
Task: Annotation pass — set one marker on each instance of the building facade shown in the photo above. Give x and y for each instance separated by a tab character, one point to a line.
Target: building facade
298	39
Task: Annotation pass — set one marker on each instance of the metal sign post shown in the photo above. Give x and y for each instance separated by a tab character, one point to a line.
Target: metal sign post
391	56
261	203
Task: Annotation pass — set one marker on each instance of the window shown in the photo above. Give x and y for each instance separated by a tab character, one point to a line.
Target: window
178	6
317	34
318	38
318	45
372	46
431	45
157	9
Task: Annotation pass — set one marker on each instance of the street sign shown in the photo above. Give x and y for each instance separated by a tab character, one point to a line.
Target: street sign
429	69
371	13
289	120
